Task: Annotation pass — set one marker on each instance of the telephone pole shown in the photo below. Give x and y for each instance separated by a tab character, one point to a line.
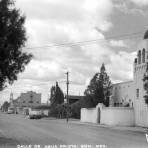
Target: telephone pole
67	83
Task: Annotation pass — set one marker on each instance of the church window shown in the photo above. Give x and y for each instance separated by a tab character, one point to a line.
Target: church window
139	57
143	55
137	93
135	60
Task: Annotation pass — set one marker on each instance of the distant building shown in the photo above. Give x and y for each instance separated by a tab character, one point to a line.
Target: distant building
28	99
73	99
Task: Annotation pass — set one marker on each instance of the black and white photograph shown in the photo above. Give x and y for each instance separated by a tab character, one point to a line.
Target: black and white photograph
73	73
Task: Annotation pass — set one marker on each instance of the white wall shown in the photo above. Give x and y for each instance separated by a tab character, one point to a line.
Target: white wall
89	115
123	92
121	116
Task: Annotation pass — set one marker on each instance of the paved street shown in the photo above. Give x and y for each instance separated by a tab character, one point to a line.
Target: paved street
18	130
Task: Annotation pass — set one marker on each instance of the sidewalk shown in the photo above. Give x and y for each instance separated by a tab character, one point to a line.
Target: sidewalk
122	128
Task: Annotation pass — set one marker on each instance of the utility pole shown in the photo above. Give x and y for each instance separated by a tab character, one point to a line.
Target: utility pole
67	83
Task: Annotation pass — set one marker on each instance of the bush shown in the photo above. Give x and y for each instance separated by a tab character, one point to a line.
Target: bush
58	111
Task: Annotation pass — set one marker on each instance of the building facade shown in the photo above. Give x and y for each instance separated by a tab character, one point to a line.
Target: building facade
28	99
132	93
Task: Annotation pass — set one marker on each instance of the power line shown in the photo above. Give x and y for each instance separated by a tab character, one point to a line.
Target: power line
123	36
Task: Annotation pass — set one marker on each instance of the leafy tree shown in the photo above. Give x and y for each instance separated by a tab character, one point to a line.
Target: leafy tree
12	40
100	87
75	109
145	84
56	95
85	102
5	106
98	91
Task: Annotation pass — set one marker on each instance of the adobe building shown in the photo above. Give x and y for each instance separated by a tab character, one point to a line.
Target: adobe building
132	93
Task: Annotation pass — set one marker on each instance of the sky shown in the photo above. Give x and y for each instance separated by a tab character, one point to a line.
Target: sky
115	26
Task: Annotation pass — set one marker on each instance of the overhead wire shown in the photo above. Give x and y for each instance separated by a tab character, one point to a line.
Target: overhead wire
123	36
86	42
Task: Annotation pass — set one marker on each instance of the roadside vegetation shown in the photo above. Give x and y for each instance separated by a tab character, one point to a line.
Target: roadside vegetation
98	91
12	40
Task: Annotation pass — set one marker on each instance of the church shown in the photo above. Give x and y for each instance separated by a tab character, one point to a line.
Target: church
127	105
132	92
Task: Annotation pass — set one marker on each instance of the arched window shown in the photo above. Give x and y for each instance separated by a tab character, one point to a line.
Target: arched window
139	57
143	55
135	60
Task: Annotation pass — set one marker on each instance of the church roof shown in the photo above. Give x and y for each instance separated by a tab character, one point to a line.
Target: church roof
146	35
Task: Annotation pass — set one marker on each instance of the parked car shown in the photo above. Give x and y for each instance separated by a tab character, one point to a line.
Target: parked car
10	111
34	114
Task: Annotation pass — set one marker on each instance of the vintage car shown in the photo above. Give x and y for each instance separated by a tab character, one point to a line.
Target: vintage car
10	110
35	114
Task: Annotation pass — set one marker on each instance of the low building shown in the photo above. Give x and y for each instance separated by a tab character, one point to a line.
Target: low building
73	99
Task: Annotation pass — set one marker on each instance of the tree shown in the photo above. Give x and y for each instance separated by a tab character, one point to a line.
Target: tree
145	84
85	102
12	40
100	87
56	95
5	106
57	107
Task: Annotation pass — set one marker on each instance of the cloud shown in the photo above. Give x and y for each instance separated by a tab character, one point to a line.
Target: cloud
67	21
140	2
127	8
64	21
124	60
42	71
118	43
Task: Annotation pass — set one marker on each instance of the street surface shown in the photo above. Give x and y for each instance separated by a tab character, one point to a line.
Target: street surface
17	130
